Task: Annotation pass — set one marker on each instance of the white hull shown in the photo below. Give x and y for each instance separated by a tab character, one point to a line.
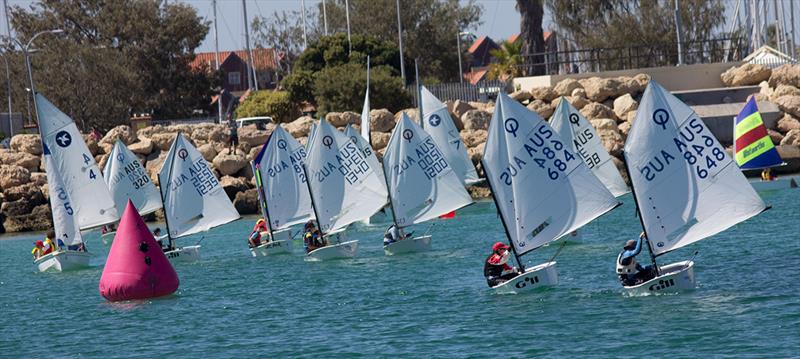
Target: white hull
62	261
108	237
412	245
674	277
334	251
184	254
542	275
778	184
283	246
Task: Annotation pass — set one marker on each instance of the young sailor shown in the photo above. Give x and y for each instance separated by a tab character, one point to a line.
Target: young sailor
766	175
496	268
394	234
629	270
49	245
37	250
312	237
255	235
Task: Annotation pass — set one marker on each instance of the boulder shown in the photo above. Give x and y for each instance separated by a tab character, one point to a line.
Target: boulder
624	104
37	219
789	104
788	123
13	175
39	178
643	80
381	120
612	141
473	138
579	92
520	95
787	74
334	118
227	163
545	94
162	141
350	118
154	162
745	75
599	89
479	192
208	151
252	136
783	90
299	127
22	159
233	185
791	138
92	144
459	108
476	153
101	160
631	85
596	110
246	202
27	143
578	102
410	112
143	147
476	120
30	192
624	128
565	87
604	124
254	152
379	139
630	117
122	132
542	108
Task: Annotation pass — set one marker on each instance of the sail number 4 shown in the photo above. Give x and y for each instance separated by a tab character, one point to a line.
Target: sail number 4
87	161
543	149
695	144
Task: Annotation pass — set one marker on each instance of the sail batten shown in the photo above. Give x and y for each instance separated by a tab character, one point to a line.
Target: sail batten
81	178
687	187
423	185
543	189
127	178
576	130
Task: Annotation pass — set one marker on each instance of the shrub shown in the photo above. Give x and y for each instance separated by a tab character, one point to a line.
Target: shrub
300	86
275	104
341	88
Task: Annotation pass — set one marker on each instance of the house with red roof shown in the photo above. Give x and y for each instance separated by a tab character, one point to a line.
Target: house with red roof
237	70
480	56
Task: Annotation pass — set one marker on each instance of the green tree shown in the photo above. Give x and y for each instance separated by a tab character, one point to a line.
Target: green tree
275	104
341	88
109	64
507	60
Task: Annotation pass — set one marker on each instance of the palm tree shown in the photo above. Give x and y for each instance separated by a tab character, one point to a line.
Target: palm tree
506	61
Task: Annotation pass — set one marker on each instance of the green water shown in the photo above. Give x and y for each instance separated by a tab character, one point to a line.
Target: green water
431	305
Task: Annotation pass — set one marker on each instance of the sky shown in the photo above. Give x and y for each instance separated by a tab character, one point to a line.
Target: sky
499	19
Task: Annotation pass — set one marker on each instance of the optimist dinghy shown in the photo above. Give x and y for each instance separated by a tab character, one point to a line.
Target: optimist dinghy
78	197
344	188
685	185
192	197
754	148
282	191
541	189
423	184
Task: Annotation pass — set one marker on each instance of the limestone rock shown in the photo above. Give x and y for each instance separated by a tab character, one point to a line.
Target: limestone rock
599	89
22	159
745	75
604	124
787	74
30	192
410	112
381	120
579	92
643	80
233	185
122	132
247	202
473	138
565	87
578	102
92	144
254	152
783	90
341	119
154	162
545	94
208	151
379	139
252	136
476	153
39	178
162	141
37	219
789	104
542	108
791	138
26	143
476	120
624	128
299	127
596	110
13	175
788	123
624	104
479	192
776	136
612	141
520	95
459	108
228	163
143	147
351	118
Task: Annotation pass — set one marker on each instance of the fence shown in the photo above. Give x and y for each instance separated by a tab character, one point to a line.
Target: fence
634	57
483	91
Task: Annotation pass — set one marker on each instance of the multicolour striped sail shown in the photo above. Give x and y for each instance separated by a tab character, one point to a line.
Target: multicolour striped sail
752	144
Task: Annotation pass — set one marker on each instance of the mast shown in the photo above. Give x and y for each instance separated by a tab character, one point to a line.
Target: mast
389	192
303	14
252	70
163	195
311	196
347	14
418	94
502	220
369	134
641	219
216	56
400	41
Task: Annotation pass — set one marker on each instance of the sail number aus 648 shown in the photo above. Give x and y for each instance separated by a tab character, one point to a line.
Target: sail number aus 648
695	145
543	149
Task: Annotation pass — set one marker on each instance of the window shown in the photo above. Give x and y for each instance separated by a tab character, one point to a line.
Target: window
234	78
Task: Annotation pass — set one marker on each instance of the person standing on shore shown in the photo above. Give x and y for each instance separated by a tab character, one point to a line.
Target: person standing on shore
234	135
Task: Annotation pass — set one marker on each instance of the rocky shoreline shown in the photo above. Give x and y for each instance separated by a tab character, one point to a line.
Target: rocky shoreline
610	104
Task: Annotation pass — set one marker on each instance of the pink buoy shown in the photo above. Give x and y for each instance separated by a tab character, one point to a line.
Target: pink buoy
136	267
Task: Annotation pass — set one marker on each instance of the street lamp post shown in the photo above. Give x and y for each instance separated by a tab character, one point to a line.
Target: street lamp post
458	45
400	41
8	88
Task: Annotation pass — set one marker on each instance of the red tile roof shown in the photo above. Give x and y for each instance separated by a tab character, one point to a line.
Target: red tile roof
477	44
264	59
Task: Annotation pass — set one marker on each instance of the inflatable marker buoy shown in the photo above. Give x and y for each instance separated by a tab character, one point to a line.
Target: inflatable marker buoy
136	267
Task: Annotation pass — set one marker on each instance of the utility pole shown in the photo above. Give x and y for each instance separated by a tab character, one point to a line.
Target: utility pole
458	46
325	17
303	14
347	16
679	32
400	36
216	57
251	73
8	72
791	19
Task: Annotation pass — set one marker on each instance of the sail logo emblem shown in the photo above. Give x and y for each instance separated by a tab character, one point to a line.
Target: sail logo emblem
511	125
522	284
354	139
574	119
408	135
660	117
660	244
435	120
120	157
63	139
327	141
183	153
662	284
282	144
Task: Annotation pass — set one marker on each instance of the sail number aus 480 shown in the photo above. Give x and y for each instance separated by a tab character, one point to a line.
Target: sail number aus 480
542	149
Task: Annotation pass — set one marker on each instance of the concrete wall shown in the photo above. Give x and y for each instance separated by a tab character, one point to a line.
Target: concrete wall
673	78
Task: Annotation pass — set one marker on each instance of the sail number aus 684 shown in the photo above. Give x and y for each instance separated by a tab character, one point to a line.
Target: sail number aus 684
543	149
695	145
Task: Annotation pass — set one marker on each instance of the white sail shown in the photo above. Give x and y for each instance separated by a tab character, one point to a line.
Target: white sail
127	178
90	199
280	164
194	201
367	150
542	189
686	185
344	188
423	184
437	122
577	130
310	138
64	221
365	124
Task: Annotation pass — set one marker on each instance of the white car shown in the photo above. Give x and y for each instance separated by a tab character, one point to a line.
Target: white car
260	122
